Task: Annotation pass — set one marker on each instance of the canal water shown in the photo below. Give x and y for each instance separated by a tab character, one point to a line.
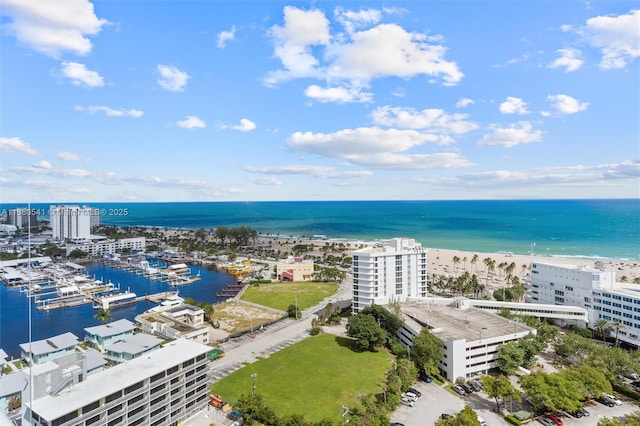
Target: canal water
14	307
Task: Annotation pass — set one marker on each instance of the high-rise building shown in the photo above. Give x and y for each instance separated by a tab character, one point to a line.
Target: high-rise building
22	218
593	288
388	272
73	222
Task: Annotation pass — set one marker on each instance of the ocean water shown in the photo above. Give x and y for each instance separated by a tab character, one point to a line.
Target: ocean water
581	228
586	228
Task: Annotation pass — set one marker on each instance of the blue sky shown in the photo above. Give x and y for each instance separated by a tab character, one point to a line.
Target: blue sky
270	100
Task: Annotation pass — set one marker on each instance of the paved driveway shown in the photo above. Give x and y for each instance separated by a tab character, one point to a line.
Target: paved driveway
436	401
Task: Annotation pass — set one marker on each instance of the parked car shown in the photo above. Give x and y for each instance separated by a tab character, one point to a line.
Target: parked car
410	396
467	388
457	389
397	424
605	401
406	401
482	421
476	385
555	419
446	416
585	412
546	422
426	378
636	384
577	414
415	391
633	375
613	398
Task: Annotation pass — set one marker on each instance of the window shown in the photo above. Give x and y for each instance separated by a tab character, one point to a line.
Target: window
93	419
115	421
136	411
114	409
132	388
90	407
188	363
157	377
135	399
113	396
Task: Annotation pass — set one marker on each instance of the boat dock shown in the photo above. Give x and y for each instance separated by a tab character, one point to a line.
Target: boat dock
79	300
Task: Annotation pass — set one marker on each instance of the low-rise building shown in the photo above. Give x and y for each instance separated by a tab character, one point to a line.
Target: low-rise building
104	335
165	387
175	321
131	347
294	269
41	351
102	247
470	336
592	288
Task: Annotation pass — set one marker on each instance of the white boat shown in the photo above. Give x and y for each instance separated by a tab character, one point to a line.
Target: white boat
109	302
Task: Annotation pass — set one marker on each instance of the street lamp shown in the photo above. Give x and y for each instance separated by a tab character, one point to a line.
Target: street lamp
486	353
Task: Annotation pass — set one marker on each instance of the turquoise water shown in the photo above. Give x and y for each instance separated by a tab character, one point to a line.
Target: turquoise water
602	228
586	228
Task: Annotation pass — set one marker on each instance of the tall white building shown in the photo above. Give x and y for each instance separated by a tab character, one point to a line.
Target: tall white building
593	288
389	272
73	222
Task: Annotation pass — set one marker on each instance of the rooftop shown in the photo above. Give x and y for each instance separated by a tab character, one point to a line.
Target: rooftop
110	329
51	344
116	378
135	344
450	323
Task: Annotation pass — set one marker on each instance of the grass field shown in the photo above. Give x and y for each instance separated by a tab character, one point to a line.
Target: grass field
314	377
281	295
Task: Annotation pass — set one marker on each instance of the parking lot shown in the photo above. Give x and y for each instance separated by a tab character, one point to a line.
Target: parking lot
435	401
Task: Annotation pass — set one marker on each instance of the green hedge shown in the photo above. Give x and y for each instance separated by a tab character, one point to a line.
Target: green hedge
626	391
511	419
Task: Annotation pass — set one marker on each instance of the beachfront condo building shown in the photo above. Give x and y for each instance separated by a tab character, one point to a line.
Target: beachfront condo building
72	222
163	387
593	288
22	218
102	247
470	336
390	271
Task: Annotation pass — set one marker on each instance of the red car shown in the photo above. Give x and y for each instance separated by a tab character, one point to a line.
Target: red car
554	419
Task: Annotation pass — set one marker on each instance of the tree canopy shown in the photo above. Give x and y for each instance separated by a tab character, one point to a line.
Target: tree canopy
366	330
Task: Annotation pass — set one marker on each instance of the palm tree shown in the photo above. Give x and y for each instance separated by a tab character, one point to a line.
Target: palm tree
464	263
602	328
617	325
474	259
524	269
456	260
103	315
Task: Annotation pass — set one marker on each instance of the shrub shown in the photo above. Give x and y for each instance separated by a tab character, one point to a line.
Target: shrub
626	391
511	419
315	331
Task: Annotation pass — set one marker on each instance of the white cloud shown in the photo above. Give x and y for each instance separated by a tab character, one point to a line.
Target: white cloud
16	145
516	134
267	180
432	120
557	176
565	28
570	59
617	37
44	164
171	78
358	56
565	104
352	20
191	122
464	102
363	140
70	156
393	161
338	94
53	27
292	169
514	106
110	112
245	125
80	75
225	36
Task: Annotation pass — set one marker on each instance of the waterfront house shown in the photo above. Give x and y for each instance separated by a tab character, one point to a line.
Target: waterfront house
132	347
41	351
104	335
175	322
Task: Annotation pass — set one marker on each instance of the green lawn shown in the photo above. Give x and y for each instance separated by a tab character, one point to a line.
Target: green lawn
281	295
314	377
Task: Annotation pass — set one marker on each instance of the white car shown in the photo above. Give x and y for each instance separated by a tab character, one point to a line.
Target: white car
482	421
613	398
407	401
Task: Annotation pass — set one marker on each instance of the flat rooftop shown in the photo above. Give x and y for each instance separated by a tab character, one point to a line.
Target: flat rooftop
116	378
450	323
